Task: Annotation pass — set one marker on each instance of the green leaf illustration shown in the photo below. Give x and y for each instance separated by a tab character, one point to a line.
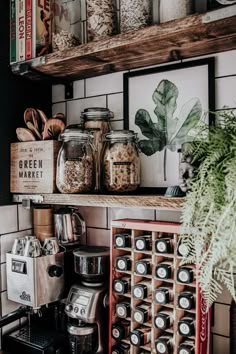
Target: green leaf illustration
168	131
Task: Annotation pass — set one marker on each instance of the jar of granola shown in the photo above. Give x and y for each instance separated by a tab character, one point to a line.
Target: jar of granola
121	163
75	162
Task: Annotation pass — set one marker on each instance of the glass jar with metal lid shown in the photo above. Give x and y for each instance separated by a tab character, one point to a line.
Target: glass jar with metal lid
121	163
75	161
97	120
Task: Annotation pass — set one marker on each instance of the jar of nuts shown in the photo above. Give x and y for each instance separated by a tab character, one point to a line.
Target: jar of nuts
75	162
121	163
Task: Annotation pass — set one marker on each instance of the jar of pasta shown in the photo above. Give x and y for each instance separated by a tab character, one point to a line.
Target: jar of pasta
97	120
101	19
121	163
75	162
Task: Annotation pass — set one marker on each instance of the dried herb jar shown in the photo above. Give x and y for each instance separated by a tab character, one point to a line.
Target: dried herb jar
135	14
75	162
121	164
97	120
101	18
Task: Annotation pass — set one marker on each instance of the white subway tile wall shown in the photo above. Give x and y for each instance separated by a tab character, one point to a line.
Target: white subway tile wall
107	91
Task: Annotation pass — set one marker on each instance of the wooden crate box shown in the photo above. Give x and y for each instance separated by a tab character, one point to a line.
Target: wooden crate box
33	166
125	302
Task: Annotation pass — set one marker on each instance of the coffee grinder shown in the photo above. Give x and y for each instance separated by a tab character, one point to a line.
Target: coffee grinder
86	305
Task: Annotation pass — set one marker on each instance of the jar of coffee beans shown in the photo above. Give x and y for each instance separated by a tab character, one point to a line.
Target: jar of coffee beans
75	162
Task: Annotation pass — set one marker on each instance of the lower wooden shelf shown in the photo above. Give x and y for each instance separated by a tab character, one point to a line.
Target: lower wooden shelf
115	201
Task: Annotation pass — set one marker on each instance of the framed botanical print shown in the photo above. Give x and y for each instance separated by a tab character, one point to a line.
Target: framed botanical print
166	107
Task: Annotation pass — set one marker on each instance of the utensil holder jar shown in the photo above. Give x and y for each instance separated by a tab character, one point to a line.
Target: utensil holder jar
101	18
135	14
173	9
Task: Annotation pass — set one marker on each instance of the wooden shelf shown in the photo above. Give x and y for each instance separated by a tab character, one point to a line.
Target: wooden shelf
115	201
180	39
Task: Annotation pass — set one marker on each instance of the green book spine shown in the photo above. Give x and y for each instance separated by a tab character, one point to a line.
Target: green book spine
13	31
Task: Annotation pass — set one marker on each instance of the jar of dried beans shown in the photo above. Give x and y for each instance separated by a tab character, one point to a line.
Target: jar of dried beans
75	162
66	24
97	120
121	163
135	14
101	18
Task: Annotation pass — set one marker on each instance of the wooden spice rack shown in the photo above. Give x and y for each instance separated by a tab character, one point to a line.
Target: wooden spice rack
156	230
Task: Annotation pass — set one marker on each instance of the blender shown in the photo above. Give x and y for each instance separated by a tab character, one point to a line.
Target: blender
86	305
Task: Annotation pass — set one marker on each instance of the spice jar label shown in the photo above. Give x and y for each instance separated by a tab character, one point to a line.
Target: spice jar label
161	348
184	328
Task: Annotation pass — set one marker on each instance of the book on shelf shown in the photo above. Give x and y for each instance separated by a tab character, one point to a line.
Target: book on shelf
20	30
13	31
28	32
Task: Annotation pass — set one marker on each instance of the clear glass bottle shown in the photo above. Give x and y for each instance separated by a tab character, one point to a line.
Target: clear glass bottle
121	163
66	24
75	162
101	18
135	14
97	120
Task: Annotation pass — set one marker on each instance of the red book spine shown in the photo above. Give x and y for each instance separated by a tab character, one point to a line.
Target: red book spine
28	21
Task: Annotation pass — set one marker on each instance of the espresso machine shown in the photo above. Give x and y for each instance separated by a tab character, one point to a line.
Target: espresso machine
87	302
35	279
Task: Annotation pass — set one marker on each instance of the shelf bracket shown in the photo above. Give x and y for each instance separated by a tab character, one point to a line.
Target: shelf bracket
69	90
27	200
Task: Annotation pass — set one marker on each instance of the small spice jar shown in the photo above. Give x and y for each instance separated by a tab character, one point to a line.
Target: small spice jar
124	263
142	313
164	344
75	162
163	295
121	162
122	240
140	336
120	330
186	326
135	14
164	319
143	243
122	285
142	290
66	24
101	18
186	274
123	309
173	9
97	120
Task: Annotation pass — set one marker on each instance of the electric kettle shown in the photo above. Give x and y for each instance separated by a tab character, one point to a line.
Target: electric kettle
69	225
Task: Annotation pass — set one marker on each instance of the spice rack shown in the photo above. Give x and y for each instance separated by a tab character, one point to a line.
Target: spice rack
156	230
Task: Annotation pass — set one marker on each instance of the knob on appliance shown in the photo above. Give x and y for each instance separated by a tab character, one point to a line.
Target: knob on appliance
55	271
69	308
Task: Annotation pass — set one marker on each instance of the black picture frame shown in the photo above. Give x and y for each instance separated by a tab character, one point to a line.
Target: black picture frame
209	63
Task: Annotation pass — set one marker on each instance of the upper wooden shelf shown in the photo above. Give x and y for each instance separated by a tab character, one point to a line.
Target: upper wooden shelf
180	39
115	201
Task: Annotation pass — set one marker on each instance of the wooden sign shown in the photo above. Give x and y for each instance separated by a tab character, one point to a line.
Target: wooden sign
33	166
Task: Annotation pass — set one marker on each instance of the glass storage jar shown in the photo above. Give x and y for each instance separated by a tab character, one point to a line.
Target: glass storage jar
75	162
121	163
66	24
97	120
135	14
173	9
101	18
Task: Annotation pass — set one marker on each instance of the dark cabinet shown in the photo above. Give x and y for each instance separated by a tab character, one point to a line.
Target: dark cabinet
16	94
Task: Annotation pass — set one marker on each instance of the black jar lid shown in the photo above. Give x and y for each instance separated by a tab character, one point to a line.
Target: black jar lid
163	245
163	344
140	291
122	240
162	295
143	266
185	275
121	286
186	300
186	327
123	263
118	331
187	347
163	271
162	321
137	337
142	242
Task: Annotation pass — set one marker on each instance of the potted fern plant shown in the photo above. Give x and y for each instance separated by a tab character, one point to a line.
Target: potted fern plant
209	215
